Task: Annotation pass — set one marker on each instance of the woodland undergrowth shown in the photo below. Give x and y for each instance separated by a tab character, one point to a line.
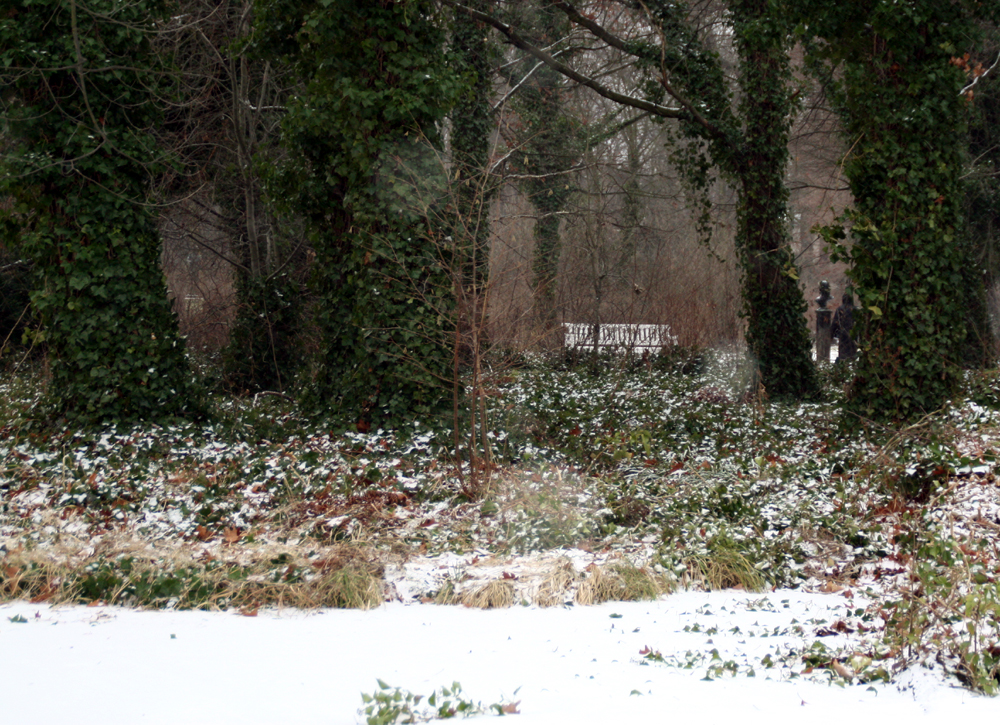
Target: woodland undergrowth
671	463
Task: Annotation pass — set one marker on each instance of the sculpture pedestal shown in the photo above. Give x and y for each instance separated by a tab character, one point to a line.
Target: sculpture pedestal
823	318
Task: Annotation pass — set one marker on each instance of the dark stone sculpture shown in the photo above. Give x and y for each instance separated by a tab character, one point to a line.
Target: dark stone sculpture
824	295
843	321
823	324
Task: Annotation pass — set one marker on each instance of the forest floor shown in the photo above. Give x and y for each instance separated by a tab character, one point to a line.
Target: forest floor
639	524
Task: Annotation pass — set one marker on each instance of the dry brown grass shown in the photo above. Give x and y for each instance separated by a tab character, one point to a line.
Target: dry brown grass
31	578
493	595
726	570
620	581
554	585
127	571
447	594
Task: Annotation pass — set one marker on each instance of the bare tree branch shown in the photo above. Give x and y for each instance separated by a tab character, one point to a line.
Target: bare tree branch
201	242
981	75
520	83
517	40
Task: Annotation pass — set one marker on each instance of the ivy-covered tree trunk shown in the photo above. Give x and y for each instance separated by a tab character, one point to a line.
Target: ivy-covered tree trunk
235	102
367	175
900	104
773	305
545	258
906	257
78	106
261	353
550	148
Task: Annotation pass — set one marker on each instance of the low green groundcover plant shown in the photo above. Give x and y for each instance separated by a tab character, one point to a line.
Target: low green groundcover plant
260	504
389	705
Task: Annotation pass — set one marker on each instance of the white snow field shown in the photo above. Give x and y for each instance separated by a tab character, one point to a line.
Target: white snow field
80	665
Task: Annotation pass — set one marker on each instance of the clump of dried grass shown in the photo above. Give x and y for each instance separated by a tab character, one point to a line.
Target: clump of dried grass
726	569
497	594
353	587
620	581
554	585
641	583
447	594
31	577
134	573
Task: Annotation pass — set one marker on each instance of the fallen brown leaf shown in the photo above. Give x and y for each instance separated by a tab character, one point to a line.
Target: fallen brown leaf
843	670
47	593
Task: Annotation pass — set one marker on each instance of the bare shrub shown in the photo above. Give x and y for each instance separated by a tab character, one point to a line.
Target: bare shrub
200	278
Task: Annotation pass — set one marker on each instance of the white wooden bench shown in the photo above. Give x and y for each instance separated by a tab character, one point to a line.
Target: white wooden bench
621	337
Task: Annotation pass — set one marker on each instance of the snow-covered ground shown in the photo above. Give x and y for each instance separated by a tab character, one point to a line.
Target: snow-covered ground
664	478
716	657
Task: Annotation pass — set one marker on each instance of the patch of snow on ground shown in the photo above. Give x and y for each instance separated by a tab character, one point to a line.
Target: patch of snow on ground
563	664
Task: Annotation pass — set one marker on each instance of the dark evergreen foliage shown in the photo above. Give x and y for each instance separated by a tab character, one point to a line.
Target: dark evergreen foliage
896	73
15	302
366	175
261	354
80	80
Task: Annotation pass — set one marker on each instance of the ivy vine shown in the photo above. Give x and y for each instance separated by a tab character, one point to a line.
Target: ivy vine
367	176
81	83
896	73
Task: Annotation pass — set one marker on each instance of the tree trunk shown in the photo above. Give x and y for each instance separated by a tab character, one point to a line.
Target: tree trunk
773	304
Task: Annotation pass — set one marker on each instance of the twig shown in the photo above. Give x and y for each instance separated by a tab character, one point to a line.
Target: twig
981	75
274	394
